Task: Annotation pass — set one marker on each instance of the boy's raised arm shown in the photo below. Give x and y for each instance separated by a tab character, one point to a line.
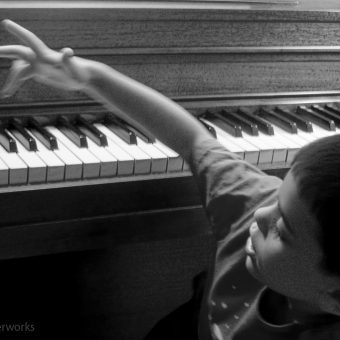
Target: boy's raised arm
131	100
165	119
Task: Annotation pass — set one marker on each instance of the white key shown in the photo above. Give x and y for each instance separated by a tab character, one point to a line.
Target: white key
125	161
175	161
303	135
36	167
91	164
73	165
142	160
55	166
159	160
279	148
232	147
307	136
293	145
18	170
296	138
320	132
4	173
108	163
270	141
251	153
266	150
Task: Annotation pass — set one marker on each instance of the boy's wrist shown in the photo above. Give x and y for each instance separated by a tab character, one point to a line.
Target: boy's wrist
94	84
91	76
94	74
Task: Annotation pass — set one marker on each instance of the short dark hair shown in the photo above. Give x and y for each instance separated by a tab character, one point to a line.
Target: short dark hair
316	169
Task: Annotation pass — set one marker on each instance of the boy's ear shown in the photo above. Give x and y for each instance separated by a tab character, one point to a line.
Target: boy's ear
331	301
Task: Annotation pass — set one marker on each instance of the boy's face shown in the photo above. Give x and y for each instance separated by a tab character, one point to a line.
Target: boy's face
286	253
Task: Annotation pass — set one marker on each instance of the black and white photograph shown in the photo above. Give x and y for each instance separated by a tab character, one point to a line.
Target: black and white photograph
170	169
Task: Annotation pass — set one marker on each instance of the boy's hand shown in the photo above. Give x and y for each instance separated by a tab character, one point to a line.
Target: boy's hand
37	61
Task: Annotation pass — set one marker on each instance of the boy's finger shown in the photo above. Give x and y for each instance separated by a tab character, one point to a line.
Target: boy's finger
19	73
17	51
25	36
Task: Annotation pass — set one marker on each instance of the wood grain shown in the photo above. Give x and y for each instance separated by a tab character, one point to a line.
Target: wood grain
185	52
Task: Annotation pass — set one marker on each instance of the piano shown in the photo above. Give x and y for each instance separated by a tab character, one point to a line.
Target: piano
54	157
101	225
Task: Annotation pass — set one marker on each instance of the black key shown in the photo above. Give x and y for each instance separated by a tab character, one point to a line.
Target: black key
141	133
91	131
19	132
327	114
209	128
245	123
262	125
277	119
119	129
316	118
72	132
7	141
224	123
44	136
333	108
303	124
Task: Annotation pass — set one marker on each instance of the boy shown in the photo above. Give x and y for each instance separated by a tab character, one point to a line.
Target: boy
276	274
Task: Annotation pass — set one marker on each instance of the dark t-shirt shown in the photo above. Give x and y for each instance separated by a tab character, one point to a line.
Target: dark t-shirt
232	190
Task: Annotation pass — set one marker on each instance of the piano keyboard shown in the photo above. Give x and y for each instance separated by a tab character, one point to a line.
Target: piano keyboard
85	147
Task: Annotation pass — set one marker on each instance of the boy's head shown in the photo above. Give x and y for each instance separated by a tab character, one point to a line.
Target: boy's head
296	242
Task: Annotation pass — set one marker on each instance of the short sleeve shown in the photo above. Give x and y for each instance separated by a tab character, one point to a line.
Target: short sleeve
230	187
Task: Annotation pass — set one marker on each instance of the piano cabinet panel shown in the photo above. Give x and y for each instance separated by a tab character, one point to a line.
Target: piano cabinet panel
114	294
182	52
118	294
209	74
138	34
87	199
29	240
155	25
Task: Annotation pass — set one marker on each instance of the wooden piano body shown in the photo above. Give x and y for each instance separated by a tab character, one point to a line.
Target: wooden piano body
107	258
